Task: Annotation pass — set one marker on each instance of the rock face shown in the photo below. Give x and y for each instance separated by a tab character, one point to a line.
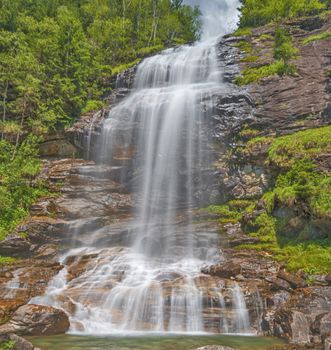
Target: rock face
37	320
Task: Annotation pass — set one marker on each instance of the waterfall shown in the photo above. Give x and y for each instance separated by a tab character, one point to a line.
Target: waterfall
152	281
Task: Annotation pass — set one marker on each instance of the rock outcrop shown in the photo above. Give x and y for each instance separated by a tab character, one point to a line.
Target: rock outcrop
36	320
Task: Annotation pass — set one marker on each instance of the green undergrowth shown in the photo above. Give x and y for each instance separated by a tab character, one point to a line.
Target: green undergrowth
5	260
256	13
317	37
7	345
286	150
284	51
242	32
232	212
301	191
19	166
312	256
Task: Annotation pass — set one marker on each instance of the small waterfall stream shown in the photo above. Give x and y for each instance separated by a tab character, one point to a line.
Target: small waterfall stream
152	281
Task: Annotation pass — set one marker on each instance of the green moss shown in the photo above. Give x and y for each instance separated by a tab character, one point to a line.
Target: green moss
92	105
245	46
254	144
248	133
233	211
4	260
311	256
328	73
317	37
255	74
250	59
123	67
286	150
266	37
242	32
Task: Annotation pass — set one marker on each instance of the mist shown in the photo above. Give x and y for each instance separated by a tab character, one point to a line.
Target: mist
219	17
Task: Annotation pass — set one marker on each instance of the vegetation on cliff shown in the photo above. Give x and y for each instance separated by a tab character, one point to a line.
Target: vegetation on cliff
258	13
19	164
291	220
276	13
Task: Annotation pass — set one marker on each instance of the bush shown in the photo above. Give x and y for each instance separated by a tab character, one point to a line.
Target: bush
18	189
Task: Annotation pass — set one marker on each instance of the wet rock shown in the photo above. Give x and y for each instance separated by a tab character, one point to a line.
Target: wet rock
293	325
57	147
278	283
328	279
327	344
293	280
37	320
227	270
15	246
322	325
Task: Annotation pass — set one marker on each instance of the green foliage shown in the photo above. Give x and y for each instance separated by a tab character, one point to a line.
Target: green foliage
250	59
286	150
57	56
7	345
233	211
317	37
266	37
92	105
18	189
257	13
301	182
4	260
242	32
248	133
245	46
255	74
311	256
284	48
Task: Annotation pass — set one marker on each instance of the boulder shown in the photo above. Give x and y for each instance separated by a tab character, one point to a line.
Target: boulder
327	344
293	280
278	283
328	279
293	325
226	270
37	320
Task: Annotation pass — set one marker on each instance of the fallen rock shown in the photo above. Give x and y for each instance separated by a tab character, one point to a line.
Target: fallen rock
294	281
328	279
226	270
278	283
293	325
327	344
37	320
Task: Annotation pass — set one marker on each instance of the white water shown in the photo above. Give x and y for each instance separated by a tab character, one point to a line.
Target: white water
153	285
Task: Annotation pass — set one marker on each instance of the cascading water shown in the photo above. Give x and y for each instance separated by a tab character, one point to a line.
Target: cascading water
151	281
